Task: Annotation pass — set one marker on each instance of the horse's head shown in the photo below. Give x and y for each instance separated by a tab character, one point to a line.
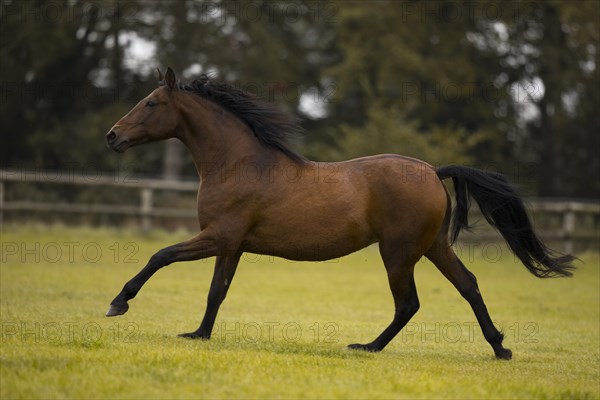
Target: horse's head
154	118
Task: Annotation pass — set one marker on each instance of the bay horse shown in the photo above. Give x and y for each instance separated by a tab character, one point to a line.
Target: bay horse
257	195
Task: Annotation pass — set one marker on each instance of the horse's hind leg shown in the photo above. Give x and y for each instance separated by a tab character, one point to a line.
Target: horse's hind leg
455	271
400	272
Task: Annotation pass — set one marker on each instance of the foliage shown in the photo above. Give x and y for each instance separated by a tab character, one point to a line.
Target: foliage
385	131
486	82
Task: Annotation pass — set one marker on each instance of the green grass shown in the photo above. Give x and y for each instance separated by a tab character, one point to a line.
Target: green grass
283	329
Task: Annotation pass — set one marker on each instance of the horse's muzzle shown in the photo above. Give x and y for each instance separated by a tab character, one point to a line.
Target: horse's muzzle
111	137
113	142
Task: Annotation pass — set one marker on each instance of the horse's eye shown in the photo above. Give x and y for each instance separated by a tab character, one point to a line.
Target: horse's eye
150	103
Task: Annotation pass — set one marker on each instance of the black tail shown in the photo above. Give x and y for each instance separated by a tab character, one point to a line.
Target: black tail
502	206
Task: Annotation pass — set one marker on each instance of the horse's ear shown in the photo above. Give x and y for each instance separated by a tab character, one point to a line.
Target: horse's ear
170	79
161	77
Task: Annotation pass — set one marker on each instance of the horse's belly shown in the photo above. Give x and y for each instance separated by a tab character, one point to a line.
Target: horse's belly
304	250
309	236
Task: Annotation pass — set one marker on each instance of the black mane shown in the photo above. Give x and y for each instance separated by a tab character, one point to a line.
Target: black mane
271	125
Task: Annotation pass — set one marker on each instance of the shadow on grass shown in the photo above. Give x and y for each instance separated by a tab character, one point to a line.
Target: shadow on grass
426	354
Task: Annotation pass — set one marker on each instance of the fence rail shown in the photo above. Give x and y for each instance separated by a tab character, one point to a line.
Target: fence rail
569	212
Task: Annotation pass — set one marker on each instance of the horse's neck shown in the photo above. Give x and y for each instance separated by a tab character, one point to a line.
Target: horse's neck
215	137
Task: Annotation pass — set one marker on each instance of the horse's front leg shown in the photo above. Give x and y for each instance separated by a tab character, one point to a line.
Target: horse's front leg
201	246
224	270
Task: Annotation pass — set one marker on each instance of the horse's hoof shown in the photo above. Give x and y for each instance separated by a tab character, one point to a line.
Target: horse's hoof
504	354
193	335
115	310
363	347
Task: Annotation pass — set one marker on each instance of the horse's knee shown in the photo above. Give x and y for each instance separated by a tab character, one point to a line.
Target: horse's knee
161	258
408	308
414	306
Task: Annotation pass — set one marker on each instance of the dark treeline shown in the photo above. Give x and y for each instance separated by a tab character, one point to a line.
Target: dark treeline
509	86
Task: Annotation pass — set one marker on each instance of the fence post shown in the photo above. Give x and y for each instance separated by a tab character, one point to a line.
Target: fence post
146	208
569	227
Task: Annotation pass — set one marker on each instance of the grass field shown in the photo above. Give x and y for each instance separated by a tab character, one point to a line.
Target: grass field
283	329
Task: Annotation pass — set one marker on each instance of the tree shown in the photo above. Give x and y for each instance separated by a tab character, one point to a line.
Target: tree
492	84
424	78
550	65
57	69
471	70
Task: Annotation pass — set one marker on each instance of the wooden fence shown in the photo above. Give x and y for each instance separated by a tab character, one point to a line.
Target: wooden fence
569	230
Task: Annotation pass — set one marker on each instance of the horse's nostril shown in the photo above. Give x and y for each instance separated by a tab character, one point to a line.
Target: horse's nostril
111	137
